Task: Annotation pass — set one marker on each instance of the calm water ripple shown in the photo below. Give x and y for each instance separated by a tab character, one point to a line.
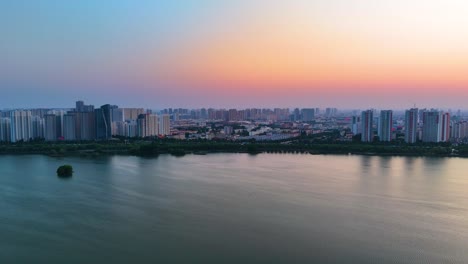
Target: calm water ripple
234	208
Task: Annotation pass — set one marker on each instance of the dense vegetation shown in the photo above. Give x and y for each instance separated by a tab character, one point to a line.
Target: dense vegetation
65	171
317	144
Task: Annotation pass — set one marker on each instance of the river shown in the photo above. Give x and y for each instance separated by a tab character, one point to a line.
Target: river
234	208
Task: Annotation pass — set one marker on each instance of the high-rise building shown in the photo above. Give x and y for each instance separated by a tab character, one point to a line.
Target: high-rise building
50	127
297	115
20	126
281	114
59	125
411	125
436	126
444	128
460	130
367	133
233	115
5	129
104	122
430	127
87	126
385	125
132	129
118	115
132	113
211	114
331	112
308	114
69	127
37	127
81	107
356	125
164	125
147	125
120	128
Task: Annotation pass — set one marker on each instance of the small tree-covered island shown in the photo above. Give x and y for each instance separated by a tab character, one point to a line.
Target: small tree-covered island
65	171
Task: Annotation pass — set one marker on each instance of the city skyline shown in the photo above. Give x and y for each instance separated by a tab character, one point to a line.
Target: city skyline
86	122
391	54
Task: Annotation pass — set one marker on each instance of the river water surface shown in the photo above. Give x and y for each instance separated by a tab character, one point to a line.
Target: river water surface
234	208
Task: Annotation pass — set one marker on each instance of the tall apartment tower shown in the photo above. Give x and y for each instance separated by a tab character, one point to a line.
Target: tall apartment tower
308	114
356	125
132	113
385	125
147	125
50	127
104	122
460	130
69	127
444	127
411	125
79	106
37	127
436	126
20	126
164	125
367	134
5	129
87	125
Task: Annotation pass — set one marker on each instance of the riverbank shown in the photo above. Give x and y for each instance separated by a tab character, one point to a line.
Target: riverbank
180	148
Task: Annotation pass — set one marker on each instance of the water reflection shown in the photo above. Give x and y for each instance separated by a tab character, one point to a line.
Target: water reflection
385	166
277	208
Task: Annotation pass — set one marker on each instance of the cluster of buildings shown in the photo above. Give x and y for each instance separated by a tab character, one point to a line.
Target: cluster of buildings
250	114
425	125
87	123
82	123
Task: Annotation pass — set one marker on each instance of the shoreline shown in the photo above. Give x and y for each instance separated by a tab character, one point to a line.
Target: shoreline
175	148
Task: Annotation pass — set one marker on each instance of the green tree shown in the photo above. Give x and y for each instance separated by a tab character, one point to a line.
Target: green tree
65	171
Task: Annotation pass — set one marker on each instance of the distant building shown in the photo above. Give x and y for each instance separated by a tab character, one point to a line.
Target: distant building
228	130
5	129
118	115
131	113
132	128
331	112
460	130
104	122
203	113
20	126
37	127
367	133
69	127
385	125
308	114
50	127
297	115
356	125
436	126
411	125
147	125
81	107
232	116
164	125
87	126
444	128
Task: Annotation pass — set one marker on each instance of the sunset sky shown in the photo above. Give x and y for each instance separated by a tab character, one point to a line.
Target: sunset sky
235	53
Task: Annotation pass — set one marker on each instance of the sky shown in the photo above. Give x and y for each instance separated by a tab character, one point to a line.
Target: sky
234	53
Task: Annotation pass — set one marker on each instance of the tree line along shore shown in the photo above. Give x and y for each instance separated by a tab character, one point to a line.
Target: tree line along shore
182	147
